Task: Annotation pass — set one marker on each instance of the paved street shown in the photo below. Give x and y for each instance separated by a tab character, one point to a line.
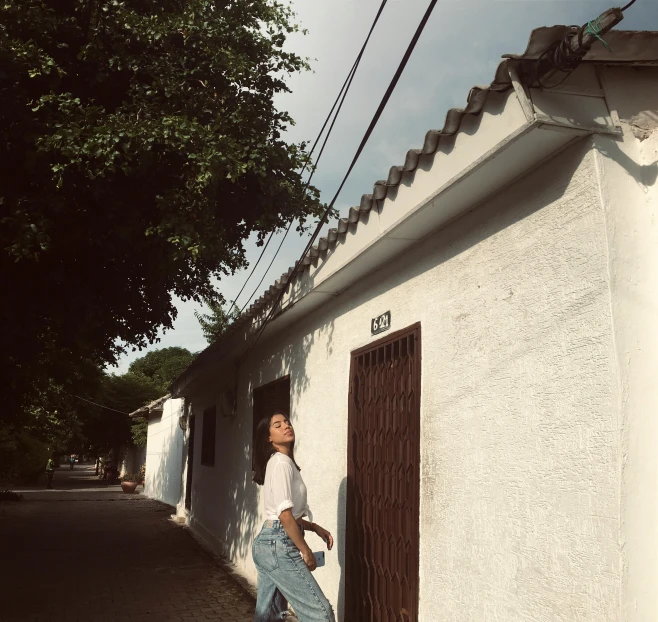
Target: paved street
88	552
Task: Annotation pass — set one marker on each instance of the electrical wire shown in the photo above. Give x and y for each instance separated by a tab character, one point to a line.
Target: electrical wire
285	235
95	404
630	4
251	273
364	140
340	100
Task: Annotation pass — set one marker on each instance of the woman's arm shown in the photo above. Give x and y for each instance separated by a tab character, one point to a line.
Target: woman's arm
320	531
295	534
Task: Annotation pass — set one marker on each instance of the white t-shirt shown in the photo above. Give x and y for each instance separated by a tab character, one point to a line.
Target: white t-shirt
284	488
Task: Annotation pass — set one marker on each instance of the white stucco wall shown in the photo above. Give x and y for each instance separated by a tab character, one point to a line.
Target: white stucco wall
519	484
538	458
628	170
164	453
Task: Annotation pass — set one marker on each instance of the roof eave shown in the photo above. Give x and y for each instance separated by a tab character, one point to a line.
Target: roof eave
156	406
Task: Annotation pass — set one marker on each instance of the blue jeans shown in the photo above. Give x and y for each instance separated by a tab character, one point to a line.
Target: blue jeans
284	577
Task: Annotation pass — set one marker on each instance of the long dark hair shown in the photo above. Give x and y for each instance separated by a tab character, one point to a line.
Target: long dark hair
263	448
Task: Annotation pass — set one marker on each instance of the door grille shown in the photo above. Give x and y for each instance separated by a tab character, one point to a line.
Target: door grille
384	480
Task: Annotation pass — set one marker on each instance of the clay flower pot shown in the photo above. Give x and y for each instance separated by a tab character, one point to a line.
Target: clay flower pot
129	486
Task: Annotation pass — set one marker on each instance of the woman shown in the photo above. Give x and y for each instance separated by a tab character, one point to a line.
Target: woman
283	559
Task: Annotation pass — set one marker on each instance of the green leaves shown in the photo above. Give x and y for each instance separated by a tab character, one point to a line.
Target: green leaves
217	320
162	366
140	148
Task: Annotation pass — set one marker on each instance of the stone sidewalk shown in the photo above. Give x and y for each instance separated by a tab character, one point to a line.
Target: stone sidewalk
90	553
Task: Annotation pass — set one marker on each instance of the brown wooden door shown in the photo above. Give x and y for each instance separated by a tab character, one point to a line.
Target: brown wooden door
383	482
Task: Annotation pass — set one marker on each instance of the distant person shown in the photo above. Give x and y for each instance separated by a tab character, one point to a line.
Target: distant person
72	462
109	472
282	557
50	472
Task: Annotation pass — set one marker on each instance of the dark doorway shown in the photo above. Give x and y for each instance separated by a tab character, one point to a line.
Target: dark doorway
190	464
270	397
208	436
383	481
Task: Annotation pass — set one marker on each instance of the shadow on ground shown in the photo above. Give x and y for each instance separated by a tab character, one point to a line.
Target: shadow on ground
80	553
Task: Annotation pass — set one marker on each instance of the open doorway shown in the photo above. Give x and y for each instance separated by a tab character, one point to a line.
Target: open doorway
268	398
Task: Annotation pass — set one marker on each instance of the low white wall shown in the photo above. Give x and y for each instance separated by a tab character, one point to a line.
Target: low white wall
520	446
164	454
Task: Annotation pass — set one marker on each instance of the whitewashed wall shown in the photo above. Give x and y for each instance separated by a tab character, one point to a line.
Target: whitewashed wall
627	171
164	454
523	402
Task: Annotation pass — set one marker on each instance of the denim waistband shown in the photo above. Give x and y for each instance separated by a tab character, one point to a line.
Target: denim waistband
272	524
277	525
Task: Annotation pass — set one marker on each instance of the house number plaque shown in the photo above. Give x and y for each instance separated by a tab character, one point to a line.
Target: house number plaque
380	323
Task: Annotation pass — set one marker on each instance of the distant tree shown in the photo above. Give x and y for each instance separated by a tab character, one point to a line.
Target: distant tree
63	419
53	424
162	366
216	321
140	146
108	426
139	432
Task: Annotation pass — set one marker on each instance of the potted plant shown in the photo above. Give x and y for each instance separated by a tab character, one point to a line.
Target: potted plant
129	482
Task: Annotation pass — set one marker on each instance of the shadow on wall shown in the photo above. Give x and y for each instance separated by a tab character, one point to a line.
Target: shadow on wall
309	346
234	486
232	483
236	524
644	174
242	497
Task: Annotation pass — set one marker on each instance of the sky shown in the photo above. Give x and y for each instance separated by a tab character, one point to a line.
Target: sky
461	47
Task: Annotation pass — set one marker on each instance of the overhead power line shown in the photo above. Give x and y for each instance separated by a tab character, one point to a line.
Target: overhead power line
285	235
95	404
250	274
340	99
364	140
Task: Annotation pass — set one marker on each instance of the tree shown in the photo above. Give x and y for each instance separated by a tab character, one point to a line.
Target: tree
65	420
215	323
53	424
162	366
110	428
140	146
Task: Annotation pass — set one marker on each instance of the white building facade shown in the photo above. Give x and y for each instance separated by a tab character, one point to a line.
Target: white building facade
165	449
510	400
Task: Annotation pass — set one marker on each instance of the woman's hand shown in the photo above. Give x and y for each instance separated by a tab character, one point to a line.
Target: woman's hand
325	535
309	558
295	534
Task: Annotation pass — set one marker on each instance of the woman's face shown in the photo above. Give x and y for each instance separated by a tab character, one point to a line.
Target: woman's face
281	431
